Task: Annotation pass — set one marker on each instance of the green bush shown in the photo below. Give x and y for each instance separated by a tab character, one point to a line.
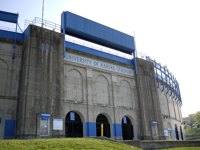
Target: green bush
192	132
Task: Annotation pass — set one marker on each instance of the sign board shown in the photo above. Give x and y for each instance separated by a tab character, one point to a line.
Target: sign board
99	64
45	116
154	123
169	129
124	120
166	133
44	127
57	124
94	32
72	116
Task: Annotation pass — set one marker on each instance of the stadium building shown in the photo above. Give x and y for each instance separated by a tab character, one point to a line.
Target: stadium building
53	86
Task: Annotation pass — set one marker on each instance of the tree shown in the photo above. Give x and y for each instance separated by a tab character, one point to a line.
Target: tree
191	120
197	118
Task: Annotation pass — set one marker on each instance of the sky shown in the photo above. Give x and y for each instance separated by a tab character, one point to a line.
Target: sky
166	30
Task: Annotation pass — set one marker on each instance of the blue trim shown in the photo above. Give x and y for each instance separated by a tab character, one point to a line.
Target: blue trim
89	30
9	128
8	17
135	63
154	123
117	132
11	35
90	129
26	33
63	22
45	116
94	52
0	120
72	116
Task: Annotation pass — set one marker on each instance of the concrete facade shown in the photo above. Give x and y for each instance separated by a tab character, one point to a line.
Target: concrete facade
41	83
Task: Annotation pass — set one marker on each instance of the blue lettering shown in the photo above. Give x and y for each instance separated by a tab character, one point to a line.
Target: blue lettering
99	64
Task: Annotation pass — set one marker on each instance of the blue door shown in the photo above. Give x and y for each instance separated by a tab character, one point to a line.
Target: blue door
9	131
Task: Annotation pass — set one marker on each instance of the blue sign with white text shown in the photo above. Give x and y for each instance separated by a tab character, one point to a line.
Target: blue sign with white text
45	116
154	123
125	120
72	116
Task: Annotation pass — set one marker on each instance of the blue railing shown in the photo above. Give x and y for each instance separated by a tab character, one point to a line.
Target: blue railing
166	81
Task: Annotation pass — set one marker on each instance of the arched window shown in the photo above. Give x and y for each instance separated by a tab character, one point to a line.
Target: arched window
74	86
102	90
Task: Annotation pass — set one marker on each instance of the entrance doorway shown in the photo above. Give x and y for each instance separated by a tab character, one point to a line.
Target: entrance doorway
102	121
127	129
73	125
181	133
176	132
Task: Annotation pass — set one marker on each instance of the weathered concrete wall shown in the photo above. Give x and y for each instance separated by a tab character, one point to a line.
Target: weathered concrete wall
9	80
149	103
41	86
91	91
171	114
48	84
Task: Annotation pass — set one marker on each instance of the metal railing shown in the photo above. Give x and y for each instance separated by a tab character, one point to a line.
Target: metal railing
166	81
43	23
55	27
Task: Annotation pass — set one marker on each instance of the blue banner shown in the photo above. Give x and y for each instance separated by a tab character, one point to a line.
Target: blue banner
45	116
154	123
125	120
72	116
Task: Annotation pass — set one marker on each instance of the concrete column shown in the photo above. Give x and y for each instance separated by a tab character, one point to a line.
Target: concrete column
41	86
149	103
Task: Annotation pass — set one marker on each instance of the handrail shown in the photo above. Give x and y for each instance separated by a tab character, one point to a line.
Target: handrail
164	78
46	24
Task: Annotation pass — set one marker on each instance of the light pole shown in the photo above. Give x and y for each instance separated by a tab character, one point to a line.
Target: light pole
42	13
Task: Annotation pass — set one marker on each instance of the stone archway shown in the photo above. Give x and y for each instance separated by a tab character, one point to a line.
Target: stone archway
176	132
102	121
73	125
181	131
127	129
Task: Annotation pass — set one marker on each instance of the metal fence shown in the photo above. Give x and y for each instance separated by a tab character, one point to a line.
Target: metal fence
165	80
43	23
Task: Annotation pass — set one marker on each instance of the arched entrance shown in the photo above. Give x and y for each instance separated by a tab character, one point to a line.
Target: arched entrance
127	129
176	132
102	121
181	133
73	125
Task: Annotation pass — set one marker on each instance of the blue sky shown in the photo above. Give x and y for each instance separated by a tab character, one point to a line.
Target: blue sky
165	30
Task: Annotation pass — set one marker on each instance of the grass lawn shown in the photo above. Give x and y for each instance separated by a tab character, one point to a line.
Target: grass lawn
63	144
183	148
194	140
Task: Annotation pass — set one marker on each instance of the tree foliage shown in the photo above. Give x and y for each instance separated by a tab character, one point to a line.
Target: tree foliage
192	120
197	118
